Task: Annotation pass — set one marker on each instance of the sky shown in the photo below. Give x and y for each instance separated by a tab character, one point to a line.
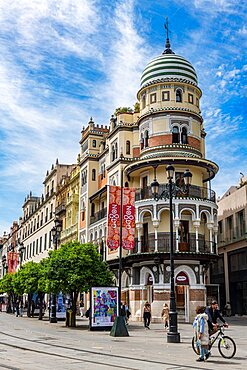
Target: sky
63	61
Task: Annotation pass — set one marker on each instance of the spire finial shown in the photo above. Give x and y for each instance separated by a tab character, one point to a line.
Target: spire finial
168	49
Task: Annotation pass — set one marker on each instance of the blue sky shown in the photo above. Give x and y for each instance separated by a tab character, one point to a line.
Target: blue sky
64	61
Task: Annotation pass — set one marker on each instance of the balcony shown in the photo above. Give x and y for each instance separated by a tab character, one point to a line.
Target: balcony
74	198
60	209
98	216
195	192
69	231
233	235
163	242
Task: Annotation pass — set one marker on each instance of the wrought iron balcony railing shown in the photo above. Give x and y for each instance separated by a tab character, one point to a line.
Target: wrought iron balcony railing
98	215
194	192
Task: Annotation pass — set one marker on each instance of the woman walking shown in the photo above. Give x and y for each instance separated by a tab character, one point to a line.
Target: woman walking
165	315
147	314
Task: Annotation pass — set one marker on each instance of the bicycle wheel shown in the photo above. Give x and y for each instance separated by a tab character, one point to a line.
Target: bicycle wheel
194	346
227	347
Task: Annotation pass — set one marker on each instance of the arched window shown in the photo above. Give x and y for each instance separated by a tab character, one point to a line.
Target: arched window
94	144
184	138
142	141
127	147
178	96
175	135
93	175
146	137
126	185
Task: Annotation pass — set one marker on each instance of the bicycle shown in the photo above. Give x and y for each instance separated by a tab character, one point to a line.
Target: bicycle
226	345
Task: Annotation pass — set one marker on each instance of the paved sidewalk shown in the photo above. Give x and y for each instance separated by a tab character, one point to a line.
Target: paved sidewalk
32	344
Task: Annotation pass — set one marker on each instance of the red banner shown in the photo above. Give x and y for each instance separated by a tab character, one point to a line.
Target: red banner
13	260
128	229
113	240
128	218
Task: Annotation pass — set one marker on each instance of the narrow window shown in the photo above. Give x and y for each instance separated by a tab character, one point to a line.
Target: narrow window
93	175
190	98
175	135
146	139
113	152
94	144
178	96
92	209
197	102
143	101
127	147
184	138
116	151
153	98
142	141
165	95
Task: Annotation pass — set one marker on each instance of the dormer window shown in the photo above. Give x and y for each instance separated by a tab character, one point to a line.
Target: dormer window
179	96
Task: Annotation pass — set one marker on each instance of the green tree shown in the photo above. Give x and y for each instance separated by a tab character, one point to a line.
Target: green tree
123	110
32	279
137	107
7	286
75	268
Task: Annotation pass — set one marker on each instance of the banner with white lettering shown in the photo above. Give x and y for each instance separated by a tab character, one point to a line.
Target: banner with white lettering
128	218
113	239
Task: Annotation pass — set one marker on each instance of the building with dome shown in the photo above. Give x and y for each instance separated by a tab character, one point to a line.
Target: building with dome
167	130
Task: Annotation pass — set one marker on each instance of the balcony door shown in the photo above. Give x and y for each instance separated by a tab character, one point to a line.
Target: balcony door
184	236
145	238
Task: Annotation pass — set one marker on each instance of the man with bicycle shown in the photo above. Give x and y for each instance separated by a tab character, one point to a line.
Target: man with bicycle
213	313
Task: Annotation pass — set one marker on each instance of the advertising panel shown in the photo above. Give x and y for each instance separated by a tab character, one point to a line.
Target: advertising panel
104	307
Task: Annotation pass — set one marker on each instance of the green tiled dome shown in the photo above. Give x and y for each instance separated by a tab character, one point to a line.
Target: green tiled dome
168	66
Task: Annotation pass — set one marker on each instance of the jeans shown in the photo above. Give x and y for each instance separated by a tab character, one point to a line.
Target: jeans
146	318
203	352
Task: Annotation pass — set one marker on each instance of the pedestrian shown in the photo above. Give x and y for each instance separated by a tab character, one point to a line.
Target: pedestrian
81	308
127	313
165	315
17	310
147	314
32	308
200	326
228	309
213	313
21	308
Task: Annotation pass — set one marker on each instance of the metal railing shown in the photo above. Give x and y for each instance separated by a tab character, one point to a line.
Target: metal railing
98	215
194	192
163	243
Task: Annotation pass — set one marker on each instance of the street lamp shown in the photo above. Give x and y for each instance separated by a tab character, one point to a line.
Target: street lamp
171	190
21	250
55	232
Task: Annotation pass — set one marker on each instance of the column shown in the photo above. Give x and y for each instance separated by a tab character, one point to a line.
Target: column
196	225
156	226
210	228
139	232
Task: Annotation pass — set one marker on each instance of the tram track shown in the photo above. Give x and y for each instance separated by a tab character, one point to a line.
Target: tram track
138	361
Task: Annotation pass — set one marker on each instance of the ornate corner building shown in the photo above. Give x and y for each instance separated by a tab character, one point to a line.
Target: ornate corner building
168	129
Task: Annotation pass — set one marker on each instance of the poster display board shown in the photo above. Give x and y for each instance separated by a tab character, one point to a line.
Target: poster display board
104	307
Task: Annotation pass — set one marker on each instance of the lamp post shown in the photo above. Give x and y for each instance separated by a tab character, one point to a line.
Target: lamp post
55	232
171	190
21	250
